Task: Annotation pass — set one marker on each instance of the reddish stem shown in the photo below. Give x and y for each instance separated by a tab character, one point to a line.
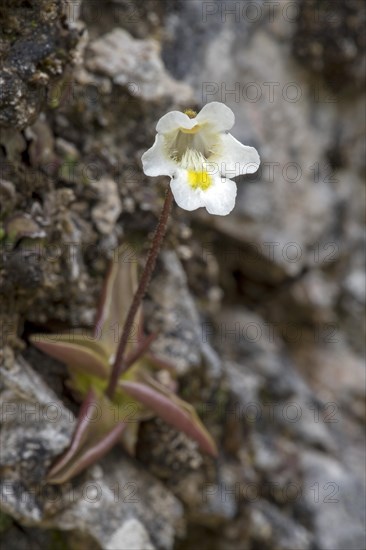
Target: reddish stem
119	365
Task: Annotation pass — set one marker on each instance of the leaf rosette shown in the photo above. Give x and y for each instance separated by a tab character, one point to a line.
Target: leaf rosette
139	395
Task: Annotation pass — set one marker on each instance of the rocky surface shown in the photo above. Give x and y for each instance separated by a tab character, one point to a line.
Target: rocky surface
37	43
262	311
36	427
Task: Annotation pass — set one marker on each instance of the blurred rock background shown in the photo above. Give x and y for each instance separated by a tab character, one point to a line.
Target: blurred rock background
262	311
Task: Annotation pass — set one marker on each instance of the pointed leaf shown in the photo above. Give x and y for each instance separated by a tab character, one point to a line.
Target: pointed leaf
129	437
75	351
79	435
139	350
92	439
172	410
80	383
88	456
159	363
118	291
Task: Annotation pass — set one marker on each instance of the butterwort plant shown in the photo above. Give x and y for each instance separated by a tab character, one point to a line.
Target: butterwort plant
105	420
116	379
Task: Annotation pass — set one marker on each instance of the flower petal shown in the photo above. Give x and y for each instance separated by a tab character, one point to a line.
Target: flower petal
216	114
220	198
184	195
173	121
236	159
155	161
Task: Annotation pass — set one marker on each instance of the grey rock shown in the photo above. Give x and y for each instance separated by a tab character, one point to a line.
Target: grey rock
317	44
135	64
32	61
269	526
123	493
106	212
131	536
7	195
175	316
36	427
336	497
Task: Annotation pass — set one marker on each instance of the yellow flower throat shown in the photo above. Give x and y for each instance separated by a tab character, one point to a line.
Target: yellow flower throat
199	180
193	160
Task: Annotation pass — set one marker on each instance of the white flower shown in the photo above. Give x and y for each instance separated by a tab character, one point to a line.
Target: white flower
199	154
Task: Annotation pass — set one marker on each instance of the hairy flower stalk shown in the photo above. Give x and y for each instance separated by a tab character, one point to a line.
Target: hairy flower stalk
198	153
119	364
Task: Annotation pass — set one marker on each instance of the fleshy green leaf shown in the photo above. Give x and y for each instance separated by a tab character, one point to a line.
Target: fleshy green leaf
74	350
97	431
140	350
118	291
129	437
79	436
80	383
172	410
138	395
159	363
